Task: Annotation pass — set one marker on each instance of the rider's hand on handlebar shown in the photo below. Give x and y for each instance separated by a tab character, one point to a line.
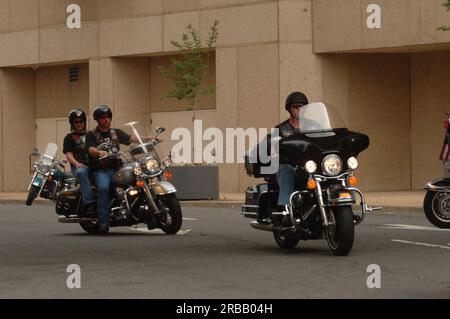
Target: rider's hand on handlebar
103	154
80	165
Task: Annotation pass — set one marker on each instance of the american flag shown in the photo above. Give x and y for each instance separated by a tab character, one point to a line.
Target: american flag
445	152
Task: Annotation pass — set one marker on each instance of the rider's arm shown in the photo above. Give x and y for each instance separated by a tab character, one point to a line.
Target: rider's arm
94	152
73	161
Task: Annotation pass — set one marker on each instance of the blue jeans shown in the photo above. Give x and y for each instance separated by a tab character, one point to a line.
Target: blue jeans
82	175
286	180
103	179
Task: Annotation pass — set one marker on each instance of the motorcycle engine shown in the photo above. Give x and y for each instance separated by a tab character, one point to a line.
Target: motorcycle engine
67	202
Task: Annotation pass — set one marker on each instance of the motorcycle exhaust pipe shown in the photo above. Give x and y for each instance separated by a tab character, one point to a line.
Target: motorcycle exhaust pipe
76	220
270	228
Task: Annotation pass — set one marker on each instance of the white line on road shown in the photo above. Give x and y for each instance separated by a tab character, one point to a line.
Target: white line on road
159	231
187	218
412	227
419	244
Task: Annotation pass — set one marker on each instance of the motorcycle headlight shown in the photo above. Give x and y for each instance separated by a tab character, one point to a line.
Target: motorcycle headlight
352	163
310	167
167	162
152	165
332	165
42	168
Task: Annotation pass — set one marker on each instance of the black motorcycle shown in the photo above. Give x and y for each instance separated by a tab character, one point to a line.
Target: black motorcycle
436	203
142	194
324	154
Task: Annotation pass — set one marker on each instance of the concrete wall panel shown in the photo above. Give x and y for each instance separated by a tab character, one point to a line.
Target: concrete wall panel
295	21
18	48
24	14
63	44
171	6
108	9
4	16
52	12
88	9
131	36
175	25
18	123
243	25
147	7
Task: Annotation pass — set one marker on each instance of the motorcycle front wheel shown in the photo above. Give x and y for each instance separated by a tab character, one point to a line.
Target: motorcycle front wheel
32	194
436	206
171	217
340	233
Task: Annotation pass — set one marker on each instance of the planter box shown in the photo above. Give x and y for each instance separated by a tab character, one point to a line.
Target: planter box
196	182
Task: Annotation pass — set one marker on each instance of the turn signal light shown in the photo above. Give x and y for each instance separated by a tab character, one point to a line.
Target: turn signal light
312	184
140	184
168	175
352	181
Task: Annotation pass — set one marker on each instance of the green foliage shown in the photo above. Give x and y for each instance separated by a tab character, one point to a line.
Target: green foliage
186	74
445	27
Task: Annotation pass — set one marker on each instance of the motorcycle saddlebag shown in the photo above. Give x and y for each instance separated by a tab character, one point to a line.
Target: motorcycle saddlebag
67	203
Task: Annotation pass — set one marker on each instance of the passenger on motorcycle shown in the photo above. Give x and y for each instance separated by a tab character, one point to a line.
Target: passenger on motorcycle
76	154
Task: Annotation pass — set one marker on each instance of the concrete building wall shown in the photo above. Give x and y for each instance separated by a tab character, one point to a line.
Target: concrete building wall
56	96
341	25
18	127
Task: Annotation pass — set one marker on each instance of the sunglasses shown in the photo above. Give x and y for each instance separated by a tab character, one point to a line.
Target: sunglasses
78	121
297	106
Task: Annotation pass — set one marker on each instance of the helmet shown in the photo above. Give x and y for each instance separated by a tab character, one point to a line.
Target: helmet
296	98
76	114
102	110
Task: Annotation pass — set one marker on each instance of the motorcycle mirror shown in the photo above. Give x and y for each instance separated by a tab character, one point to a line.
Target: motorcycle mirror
35	151
159	130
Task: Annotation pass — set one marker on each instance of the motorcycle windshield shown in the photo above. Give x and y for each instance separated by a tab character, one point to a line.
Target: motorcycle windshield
50	153
141	132
320	117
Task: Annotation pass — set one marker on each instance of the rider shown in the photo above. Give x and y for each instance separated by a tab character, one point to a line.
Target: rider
75	150
105	168
287	173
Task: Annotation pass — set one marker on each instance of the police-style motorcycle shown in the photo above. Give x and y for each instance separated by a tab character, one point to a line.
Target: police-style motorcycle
48	175
324	153
142	193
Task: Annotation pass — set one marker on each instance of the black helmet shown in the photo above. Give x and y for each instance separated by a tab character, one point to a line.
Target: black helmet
102	110
296	98
76	114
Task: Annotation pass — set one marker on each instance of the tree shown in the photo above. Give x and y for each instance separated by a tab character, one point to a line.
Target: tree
186	74
445	27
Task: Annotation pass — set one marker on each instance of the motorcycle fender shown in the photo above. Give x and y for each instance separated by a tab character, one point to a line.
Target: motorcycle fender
163	188
441	184
38	180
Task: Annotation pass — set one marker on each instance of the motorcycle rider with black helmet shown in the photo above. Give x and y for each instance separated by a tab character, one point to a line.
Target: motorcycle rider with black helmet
287	174
76	154
105	168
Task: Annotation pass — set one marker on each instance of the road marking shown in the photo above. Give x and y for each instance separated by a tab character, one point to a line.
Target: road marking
187	218
412	227
419	244
181	232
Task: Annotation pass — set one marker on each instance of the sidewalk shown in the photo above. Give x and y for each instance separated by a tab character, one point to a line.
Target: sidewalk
395	201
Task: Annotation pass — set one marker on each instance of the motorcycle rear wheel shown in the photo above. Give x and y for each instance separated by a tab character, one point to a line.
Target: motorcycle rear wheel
436	206
173	217
32	194
286	240
340	233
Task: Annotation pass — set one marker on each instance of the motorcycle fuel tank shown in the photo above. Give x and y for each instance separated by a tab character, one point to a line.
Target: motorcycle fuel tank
125	176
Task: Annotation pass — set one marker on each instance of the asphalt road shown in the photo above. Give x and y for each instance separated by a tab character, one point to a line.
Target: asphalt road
217	255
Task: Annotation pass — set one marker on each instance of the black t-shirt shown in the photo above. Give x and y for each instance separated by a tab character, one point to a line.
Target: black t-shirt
114	137
286	129
76	143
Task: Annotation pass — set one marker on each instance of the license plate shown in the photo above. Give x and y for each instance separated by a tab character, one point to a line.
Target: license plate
345	195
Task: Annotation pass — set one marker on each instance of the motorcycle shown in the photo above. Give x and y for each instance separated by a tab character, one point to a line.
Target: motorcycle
436	203
48	175
324	153
142	194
